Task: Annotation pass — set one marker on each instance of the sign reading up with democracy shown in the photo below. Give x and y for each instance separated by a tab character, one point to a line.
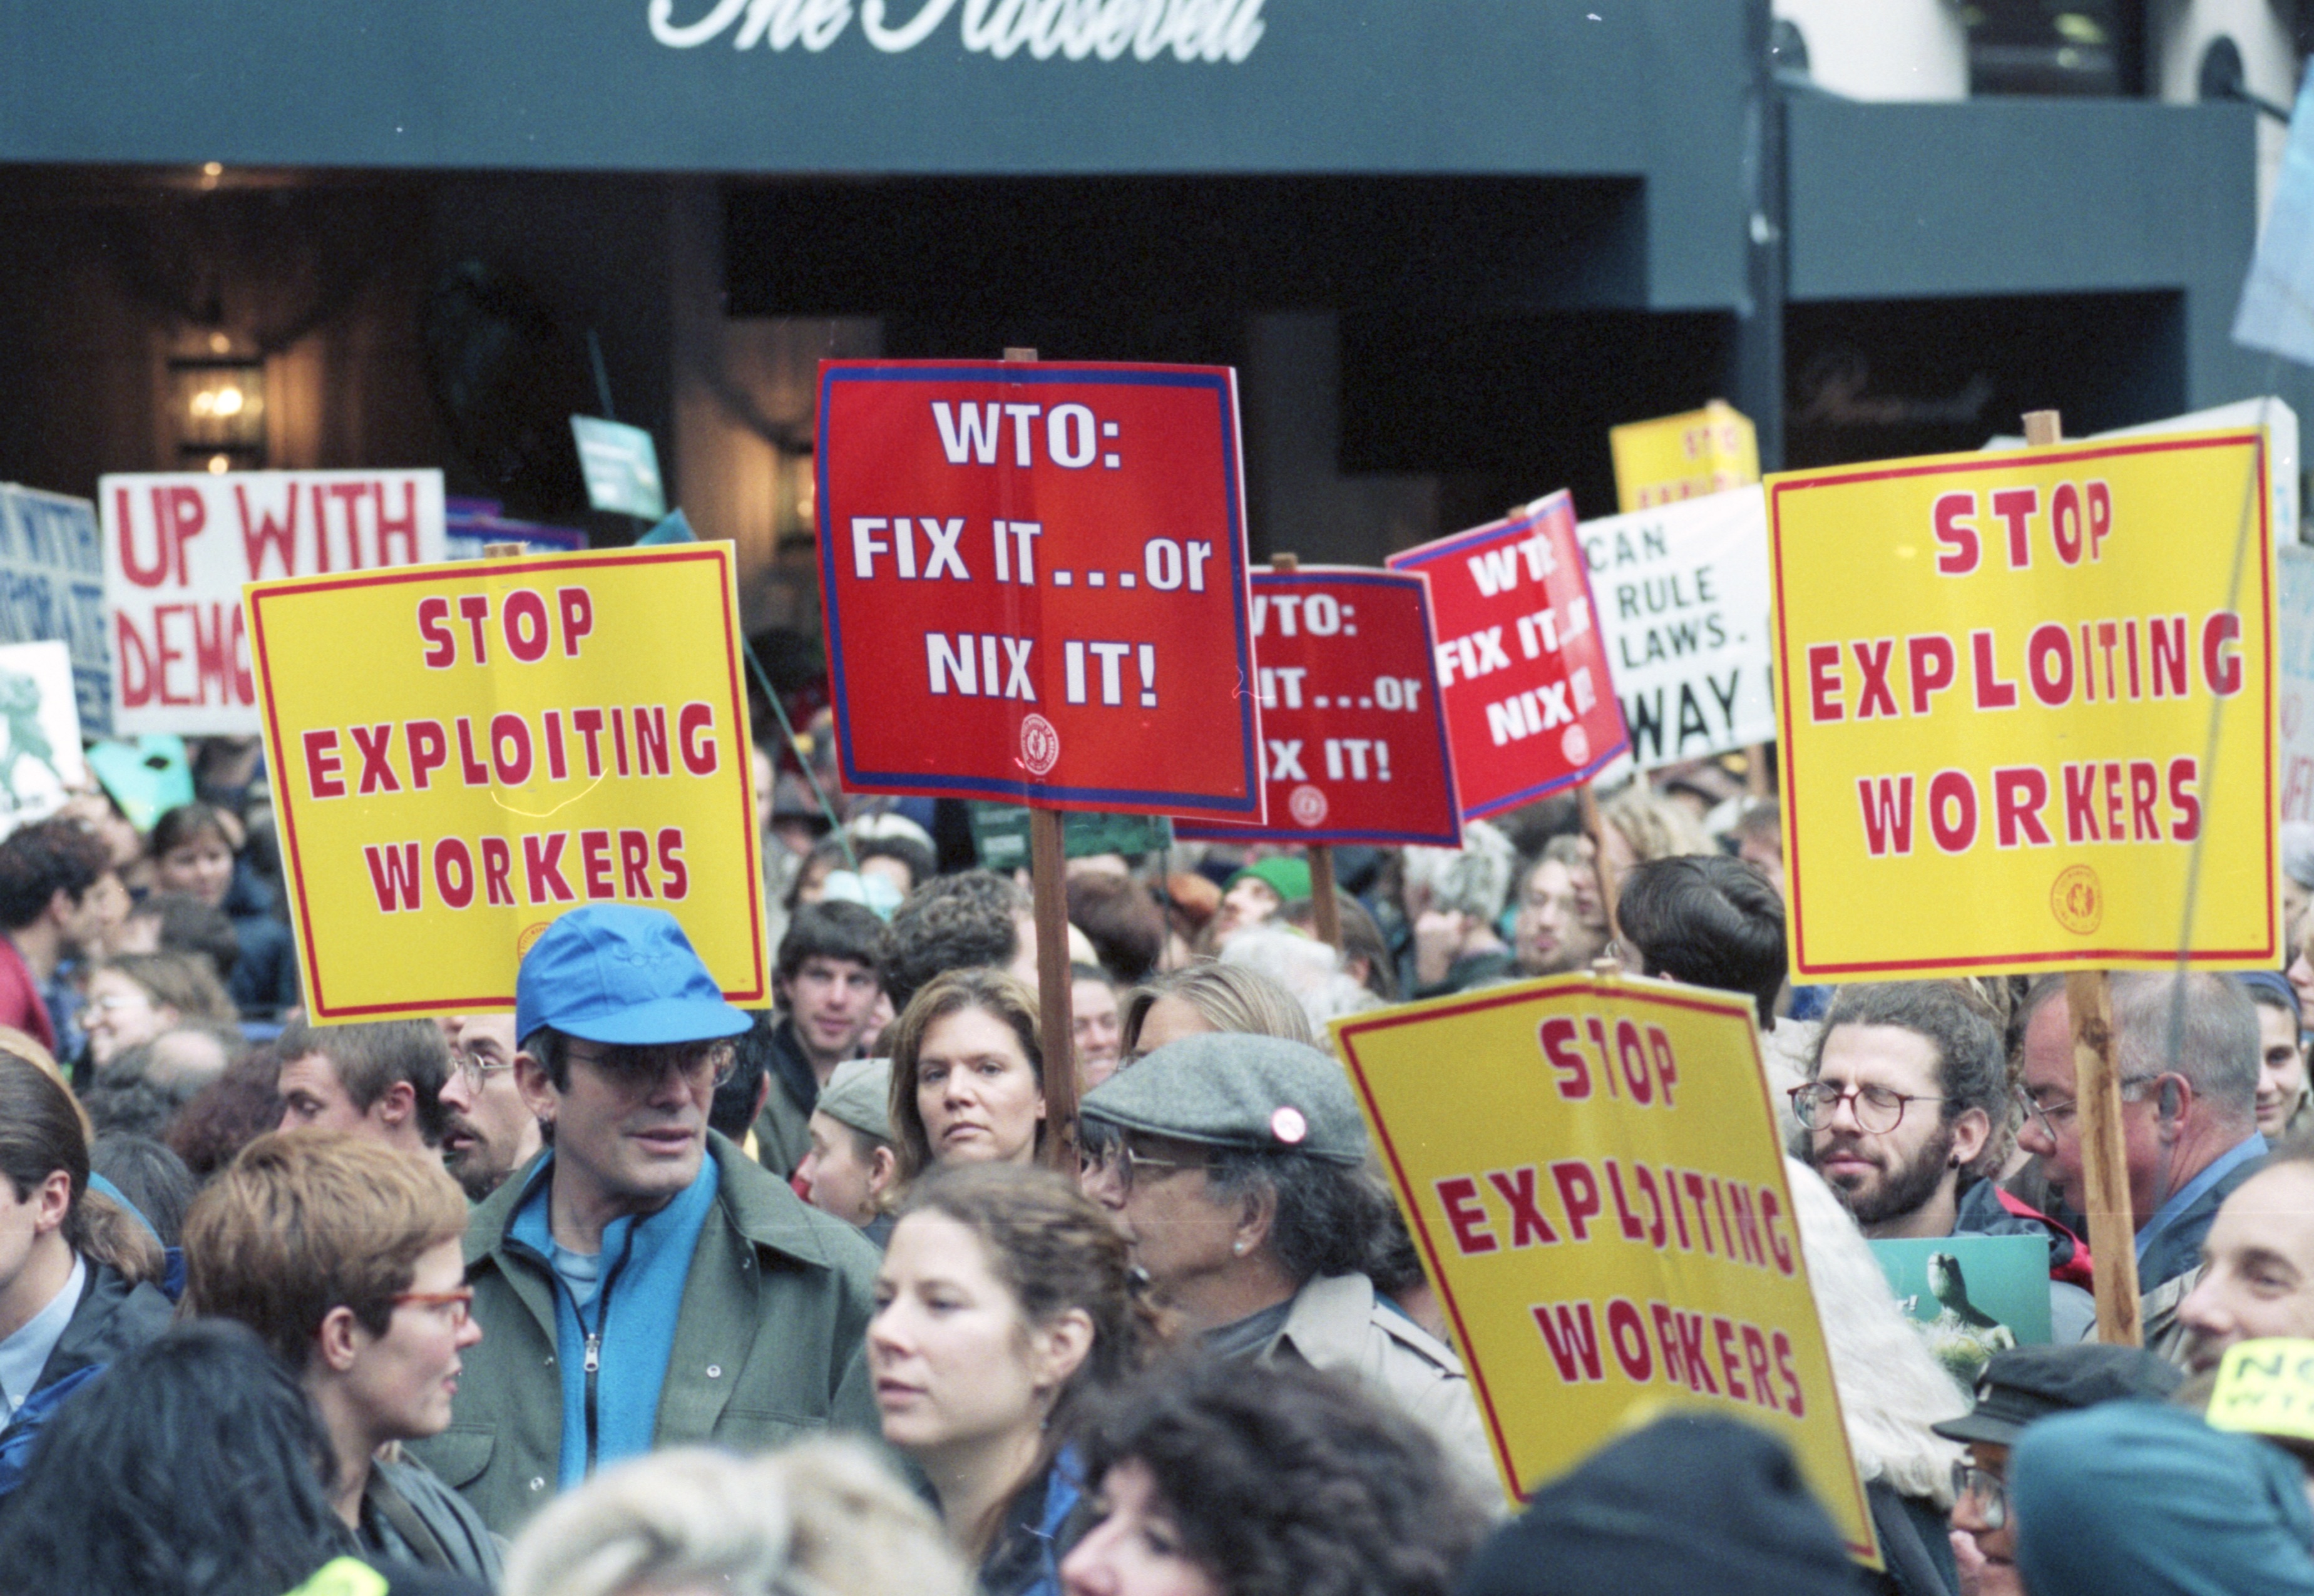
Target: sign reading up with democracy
1530	701
1035	583
1353	740
2021	695
178	547
1683	594
461	751
1602	1207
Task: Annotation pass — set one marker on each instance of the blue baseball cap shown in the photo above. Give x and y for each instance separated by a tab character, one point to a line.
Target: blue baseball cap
615	973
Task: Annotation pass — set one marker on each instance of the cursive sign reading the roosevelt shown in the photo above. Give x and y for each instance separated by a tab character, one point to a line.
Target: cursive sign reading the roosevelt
1106	30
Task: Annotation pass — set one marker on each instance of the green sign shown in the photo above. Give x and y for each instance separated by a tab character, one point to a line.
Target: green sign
621	464
1972	1296
1000	832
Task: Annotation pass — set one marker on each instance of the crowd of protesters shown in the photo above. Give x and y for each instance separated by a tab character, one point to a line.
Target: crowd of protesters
633	1293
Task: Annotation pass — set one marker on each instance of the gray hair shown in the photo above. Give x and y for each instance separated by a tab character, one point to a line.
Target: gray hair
1474	879
824	1518
1305	967
2200	1026
1329	1220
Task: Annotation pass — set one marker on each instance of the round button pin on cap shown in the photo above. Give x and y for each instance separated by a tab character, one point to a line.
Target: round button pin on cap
1288	1125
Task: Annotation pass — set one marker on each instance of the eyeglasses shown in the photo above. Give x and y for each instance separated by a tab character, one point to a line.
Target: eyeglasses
476	1070
460	1302
1877	1108
637	1066
1120	1161
1987	1489
2048	1116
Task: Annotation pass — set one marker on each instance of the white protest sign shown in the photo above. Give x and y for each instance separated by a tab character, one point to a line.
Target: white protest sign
2294	621
39	733
1682	591
179	545
2281	424
52	586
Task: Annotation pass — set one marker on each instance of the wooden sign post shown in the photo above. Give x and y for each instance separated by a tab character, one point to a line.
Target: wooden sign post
1325	909
2096	1092
1048	885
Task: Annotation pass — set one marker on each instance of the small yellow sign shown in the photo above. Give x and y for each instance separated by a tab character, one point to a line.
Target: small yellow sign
1683	456
2025	706
2265	1387
461	751
1601	1205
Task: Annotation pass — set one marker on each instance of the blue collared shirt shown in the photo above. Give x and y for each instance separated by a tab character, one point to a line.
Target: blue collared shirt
2192	1192
25	1353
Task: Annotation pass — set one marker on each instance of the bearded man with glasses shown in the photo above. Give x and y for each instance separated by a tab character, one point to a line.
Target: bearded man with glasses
1907	1093
645	1283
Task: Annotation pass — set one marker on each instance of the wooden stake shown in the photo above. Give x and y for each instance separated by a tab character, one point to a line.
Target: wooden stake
1048	885
2105	1160
1048	880
1586	805
1325	909
2097	1094
1755	770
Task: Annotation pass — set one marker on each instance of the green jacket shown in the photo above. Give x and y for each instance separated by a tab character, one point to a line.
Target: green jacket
770	1344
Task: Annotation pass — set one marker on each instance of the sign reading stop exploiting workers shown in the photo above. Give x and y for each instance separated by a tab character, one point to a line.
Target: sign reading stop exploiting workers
1353	739
462	752
1523	677
1602	1210
178	547
1035	583
2021	696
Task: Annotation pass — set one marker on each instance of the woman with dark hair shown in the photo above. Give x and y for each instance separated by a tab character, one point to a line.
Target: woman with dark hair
1006	1301
1228	1478
78	1273
967	1073
194	850
200	1471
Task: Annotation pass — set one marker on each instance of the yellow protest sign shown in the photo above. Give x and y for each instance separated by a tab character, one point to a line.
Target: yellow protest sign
1683	456
2021	698
1601	1206
2265	1387
461	751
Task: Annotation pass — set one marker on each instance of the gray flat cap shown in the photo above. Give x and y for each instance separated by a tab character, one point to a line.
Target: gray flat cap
1260	1093
860	1095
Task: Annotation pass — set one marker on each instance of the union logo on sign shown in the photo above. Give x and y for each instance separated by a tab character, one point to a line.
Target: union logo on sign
2078	899
1040	745
1307	805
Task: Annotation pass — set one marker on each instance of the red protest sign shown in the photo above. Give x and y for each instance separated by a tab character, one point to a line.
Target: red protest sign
1530	703
1353	741
1034	580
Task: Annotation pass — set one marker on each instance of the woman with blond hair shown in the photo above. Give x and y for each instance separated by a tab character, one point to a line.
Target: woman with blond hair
824	1516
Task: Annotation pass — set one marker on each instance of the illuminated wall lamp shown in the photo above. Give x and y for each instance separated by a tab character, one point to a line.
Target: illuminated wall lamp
219	410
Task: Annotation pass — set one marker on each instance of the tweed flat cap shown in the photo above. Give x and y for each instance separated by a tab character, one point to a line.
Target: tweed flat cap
1260	1093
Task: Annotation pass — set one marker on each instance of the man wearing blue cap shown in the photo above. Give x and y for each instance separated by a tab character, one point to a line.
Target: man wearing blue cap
642	1282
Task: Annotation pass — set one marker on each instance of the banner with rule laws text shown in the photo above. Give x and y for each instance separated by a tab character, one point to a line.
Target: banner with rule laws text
461	751
1602	1210
180	545
2019	693
1353	737
1035	583
1523	675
